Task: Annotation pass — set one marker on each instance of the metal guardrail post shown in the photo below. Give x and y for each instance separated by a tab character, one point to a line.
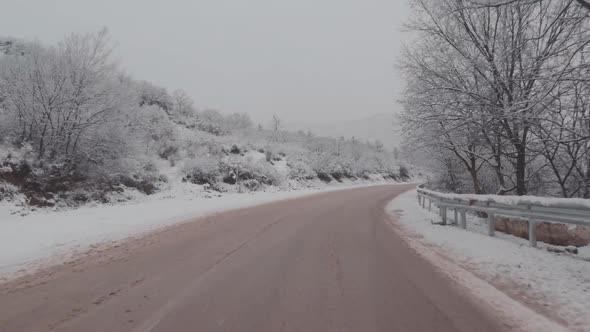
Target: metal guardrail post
456	220
532	230
463	219
491	223
443	214
533	233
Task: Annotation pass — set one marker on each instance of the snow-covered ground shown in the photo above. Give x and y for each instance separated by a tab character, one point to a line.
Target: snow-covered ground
555	285
38	238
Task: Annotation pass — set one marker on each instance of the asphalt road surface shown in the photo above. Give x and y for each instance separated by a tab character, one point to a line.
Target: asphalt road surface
326	262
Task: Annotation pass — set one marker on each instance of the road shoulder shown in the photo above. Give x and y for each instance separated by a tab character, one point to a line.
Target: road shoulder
482	266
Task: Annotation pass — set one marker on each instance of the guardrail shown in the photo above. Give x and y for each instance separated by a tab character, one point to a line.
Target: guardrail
533	209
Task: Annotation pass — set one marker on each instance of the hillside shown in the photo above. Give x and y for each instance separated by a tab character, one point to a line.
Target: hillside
77	130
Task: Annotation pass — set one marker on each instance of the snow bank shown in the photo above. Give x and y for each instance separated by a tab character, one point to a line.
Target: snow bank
43	236
555	285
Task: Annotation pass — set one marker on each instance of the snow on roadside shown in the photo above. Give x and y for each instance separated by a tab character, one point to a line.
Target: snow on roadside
44	236
555	285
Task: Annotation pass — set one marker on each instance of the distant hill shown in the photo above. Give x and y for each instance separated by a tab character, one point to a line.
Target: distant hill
375	127
11	46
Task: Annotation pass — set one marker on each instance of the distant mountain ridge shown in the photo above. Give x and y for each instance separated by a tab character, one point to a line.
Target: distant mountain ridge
380	127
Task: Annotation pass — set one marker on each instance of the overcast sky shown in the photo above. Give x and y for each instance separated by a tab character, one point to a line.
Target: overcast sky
305	60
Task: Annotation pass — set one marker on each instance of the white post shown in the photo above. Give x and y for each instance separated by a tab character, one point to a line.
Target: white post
429	204
532	233
463	219
491	223
532	230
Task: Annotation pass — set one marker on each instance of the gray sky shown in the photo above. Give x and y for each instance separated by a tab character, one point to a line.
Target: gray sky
305	60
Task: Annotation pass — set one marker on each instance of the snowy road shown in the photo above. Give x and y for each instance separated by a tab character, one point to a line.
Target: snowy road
327	262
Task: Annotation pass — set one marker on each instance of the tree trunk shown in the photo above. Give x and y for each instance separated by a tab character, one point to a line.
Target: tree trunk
587	179
521	171
476	183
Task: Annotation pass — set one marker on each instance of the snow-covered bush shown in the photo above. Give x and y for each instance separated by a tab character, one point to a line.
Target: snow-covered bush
269	173
252	184
15	164
260	170
204	170
8	192
211	121
300	170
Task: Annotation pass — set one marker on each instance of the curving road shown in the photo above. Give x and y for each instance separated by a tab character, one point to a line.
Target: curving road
327	262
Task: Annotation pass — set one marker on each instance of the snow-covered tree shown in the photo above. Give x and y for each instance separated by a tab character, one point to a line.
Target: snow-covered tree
485	77
64	100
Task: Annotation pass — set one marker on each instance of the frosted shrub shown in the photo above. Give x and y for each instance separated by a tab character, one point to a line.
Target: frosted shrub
8	192
300	170
204	170
15	163
261	171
